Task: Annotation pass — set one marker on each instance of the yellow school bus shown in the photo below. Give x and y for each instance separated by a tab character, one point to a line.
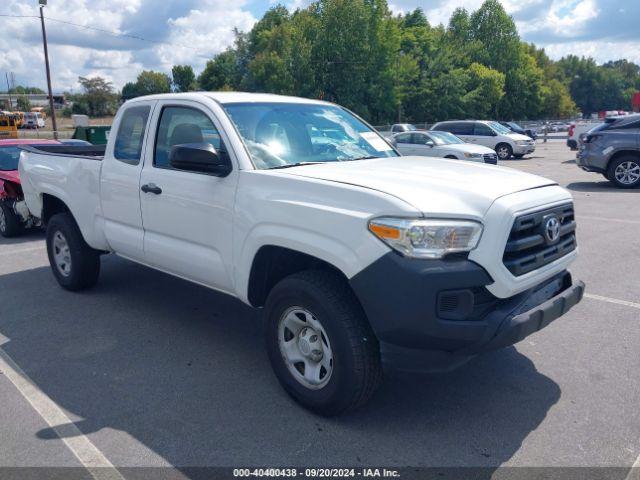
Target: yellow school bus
19	118
41	110
8	128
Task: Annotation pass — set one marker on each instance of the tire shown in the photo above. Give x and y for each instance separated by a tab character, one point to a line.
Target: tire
75	264
518	157
504	151
624	171
10	225
322	302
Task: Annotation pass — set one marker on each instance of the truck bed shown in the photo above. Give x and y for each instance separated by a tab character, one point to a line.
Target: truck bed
71	174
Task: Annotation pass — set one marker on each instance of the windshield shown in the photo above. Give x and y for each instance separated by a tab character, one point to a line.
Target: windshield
515	125
444	138
283	134
501	129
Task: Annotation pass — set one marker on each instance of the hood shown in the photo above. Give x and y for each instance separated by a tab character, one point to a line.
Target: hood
468	148
517	137
434	186
10	175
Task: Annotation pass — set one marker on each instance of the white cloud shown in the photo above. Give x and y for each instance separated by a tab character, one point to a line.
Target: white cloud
175	31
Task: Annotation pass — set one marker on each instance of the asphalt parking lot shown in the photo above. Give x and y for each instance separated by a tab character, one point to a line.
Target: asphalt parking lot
149	370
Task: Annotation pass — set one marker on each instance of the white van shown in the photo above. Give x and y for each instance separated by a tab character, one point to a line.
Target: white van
33	120
506	143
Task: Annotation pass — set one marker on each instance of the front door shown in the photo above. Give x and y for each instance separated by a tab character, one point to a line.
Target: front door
187	216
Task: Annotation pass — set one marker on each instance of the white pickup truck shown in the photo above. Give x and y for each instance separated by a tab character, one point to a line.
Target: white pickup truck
359	257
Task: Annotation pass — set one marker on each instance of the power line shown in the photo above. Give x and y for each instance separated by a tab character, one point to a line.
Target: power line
109	32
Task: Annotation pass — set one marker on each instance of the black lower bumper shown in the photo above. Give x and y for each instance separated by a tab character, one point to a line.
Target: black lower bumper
403	299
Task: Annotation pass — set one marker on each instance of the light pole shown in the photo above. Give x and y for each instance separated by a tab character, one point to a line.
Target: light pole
43	3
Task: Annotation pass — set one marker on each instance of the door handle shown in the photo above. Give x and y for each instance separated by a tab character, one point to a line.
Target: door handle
151	188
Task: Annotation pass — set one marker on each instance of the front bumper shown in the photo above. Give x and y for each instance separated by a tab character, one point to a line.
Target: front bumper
523	150
403	299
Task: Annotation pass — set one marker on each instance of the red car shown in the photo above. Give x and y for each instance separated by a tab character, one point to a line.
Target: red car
14	214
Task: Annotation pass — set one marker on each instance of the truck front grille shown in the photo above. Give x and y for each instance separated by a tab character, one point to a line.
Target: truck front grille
539	238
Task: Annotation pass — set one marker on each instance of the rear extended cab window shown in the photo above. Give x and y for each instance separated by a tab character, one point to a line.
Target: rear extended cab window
130	136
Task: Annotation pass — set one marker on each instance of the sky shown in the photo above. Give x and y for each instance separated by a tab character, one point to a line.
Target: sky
126	36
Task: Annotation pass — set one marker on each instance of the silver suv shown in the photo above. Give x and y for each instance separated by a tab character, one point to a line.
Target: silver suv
613	149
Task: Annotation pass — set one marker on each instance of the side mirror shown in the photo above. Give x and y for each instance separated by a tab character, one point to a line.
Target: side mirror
199	157
429	143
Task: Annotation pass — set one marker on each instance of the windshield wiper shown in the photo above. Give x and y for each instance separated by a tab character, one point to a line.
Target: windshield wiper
370	157
298	164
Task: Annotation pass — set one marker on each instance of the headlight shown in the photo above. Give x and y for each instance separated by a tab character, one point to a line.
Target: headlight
426	238
523	143
473	155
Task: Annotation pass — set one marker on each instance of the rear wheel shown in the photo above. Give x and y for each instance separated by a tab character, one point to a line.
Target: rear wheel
624	172
10	225
504	151
74	263
321	347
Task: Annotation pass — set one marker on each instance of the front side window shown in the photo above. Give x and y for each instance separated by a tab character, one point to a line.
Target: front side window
182	125
128	147
278	135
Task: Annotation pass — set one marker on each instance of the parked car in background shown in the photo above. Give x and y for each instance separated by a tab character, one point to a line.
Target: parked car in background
613	149
33	120
358	257
14	214
442	144
576	131
491	134
403	127
558	127
514	127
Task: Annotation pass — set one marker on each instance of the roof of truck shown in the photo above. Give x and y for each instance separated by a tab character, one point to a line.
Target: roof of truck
233	97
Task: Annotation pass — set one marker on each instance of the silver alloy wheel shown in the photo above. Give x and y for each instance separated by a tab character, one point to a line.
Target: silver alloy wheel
305	348
61	253
503	153
3	220
627	173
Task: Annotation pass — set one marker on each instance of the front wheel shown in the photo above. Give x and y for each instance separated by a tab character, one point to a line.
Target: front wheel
320	345
74	263
10	225
624	172
504	151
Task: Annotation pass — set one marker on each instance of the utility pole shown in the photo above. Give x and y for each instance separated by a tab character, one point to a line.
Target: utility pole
6	75
46	62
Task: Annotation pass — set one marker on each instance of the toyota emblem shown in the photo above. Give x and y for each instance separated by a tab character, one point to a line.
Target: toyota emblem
552	230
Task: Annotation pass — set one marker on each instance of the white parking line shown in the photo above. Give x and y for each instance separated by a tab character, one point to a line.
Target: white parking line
608	219
612	300
22	250
87	453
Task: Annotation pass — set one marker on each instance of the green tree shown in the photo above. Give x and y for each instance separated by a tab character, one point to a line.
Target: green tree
98	98
221	73
183	78
23	104
150	82
485	89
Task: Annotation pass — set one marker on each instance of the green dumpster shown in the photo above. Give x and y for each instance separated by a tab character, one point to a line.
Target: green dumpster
97	135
